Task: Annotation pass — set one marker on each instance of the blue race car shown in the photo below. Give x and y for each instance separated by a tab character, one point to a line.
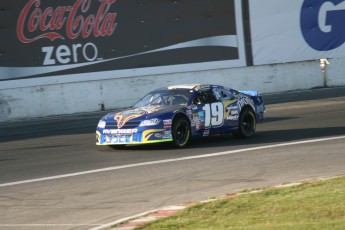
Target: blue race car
178	113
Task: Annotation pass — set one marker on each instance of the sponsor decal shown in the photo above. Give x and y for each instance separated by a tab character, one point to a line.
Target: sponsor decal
197	125
166	135
195	116
158	135
234	110
119	139
120	131
167	123
206	133
201	115
322	23
66	22
245	101
73	19
123	117
233	117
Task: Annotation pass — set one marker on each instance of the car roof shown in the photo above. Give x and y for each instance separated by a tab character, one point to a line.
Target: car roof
195	87
186	86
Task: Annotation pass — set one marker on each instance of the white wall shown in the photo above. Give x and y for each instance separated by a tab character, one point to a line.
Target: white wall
47	100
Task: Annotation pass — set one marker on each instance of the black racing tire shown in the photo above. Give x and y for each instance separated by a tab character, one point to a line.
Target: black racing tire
181	132
247	124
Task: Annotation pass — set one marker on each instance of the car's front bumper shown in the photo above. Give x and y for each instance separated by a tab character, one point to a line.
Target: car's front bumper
116	137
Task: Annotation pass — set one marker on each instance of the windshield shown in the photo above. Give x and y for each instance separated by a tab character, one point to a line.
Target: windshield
165	97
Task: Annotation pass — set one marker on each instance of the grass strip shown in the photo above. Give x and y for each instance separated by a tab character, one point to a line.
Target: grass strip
317	205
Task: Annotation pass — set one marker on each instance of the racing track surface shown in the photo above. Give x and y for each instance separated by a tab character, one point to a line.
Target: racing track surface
41	148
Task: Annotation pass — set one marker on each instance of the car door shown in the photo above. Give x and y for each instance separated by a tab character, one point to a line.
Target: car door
208	115
231	109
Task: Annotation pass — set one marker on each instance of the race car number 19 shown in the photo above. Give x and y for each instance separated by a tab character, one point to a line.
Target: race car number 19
214	114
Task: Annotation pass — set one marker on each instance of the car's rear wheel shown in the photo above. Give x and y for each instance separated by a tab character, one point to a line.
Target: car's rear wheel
181	132
247	124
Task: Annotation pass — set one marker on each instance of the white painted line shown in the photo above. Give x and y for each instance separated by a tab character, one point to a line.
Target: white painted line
169	160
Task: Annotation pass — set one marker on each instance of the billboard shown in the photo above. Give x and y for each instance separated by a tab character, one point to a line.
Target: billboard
73	40
296	30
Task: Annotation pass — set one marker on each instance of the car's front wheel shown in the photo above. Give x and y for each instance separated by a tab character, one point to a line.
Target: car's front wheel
247	124
181	132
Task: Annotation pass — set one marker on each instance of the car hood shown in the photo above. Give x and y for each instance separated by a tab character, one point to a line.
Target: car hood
141	113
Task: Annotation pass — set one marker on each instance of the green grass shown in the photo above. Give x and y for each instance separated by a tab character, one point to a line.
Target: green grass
319	205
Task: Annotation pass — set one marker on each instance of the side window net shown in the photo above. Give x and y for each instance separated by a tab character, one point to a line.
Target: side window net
204	98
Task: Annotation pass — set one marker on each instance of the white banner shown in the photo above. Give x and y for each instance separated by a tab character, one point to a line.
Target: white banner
296	30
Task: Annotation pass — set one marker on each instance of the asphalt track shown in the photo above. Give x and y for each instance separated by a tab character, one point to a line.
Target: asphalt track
52	176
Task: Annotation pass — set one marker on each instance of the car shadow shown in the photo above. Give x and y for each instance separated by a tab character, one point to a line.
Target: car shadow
275	119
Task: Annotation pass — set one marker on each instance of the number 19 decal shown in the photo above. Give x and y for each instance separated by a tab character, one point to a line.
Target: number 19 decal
214	114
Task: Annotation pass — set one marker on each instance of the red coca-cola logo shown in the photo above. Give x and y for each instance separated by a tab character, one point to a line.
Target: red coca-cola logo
65	21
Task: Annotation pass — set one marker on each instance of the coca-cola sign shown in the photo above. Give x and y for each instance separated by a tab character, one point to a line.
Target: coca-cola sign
64	22
76	37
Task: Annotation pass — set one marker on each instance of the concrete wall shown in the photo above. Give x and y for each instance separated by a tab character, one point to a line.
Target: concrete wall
47	100
335	72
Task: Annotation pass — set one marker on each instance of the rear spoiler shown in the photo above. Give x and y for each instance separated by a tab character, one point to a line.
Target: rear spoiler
250	93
